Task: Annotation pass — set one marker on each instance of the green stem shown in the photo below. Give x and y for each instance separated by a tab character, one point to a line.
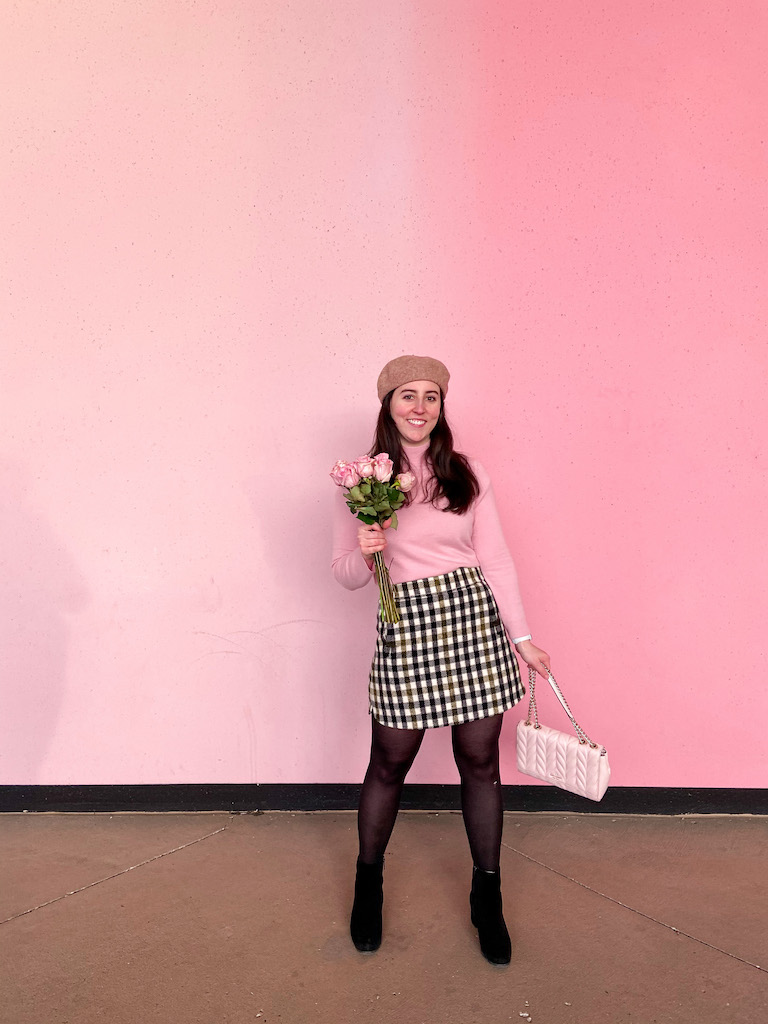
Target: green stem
389	612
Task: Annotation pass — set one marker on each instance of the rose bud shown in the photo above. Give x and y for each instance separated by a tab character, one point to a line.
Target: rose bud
364	466
382	468
405	482
338	472
351	476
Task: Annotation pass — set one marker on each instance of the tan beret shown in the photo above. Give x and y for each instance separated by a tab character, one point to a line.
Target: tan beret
407	368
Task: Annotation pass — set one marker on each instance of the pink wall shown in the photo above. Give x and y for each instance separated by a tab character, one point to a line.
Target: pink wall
223	218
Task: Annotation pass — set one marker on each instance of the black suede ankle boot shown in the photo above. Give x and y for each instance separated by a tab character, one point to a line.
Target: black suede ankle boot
365	923
485	905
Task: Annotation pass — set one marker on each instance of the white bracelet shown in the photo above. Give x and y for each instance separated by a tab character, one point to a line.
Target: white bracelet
519	639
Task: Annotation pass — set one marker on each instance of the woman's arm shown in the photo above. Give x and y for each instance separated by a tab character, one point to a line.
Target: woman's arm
350	568
499	570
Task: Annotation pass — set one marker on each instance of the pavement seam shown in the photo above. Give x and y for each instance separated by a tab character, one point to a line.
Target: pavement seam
634	910
117	874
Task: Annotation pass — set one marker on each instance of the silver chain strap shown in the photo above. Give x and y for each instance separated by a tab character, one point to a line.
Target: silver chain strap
583	738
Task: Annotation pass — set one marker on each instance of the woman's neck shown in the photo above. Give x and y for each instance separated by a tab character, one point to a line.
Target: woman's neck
416	452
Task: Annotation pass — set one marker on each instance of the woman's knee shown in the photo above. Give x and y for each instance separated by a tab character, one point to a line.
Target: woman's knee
393	755
481	766
477	760
389	771
476	748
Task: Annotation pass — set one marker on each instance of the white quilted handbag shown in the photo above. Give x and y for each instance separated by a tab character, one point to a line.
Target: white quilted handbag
571	762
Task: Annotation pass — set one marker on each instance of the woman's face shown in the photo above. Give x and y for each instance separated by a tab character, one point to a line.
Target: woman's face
415	408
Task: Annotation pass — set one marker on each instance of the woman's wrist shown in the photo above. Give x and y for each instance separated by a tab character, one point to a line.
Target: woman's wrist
521	639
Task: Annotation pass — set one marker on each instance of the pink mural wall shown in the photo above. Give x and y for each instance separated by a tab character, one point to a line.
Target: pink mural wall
222	219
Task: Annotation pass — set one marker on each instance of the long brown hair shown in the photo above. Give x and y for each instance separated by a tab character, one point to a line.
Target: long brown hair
452	475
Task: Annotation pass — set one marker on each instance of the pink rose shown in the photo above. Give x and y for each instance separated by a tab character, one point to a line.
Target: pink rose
382	467
364	466
344	474
405	482
336	472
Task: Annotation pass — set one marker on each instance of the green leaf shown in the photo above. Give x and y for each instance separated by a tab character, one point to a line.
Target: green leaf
366	519
394	521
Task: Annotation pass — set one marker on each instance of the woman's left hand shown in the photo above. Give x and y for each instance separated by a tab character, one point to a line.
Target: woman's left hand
534	656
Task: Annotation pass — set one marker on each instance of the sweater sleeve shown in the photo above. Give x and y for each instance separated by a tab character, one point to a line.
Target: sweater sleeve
349	567
495	560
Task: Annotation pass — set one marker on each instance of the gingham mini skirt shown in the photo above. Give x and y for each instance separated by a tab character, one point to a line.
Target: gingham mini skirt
448	660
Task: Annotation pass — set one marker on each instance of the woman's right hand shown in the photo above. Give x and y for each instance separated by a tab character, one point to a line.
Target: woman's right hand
371	539
534	657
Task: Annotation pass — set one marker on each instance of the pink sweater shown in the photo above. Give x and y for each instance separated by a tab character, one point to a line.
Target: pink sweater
429	542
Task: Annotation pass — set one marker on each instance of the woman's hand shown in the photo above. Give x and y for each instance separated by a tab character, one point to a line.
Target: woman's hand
533	656
371	539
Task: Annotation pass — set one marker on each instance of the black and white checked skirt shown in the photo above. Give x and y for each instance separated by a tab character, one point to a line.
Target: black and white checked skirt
448	660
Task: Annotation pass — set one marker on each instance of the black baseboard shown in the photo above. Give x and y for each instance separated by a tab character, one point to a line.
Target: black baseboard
297	797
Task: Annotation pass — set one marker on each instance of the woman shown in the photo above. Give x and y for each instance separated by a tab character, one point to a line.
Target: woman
448	662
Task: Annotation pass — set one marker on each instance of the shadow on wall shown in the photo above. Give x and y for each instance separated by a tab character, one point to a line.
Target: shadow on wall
39	585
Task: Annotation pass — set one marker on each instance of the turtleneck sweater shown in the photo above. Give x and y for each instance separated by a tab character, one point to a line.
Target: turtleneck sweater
430	542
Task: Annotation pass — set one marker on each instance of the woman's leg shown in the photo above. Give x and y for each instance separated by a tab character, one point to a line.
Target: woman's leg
476	750
392	754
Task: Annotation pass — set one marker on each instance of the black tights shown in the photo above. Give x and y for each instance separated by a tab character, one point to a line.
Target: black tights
476	750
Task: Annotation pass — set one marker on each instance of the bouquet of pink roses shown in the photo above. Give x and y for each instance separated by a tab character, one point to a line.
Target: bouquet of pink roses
373	498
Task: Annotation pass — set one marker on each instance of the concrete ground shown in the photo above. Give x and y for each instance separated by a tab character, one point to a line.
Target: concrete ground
212	918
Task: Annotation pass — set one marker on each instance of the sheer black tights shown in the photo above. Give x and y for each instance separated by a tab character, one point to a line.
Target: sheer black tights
476	750
392	754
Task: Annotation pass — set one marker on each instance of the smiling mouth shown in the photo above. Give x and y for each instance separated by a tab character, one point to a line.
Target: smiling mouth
417	423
